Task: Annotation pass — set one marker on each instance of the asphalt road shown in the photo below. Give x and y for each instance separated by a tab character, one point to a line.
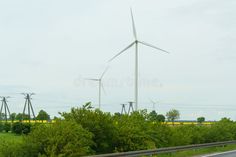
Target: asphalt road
225	154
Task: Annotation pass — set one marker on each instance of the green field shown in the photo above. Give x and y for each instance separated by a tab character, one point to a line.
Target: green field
8	143
10	137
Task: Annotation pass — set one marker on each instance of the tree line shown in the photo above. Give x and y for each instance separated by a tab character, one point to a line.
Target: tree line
85	131
42	115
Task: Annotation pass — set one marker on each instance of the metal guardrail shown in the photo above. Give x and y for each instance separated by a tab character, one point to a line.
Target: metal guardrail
164	150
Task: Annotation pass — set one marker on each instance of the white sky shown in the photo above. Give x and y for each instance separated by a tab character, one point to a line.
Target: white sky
50	46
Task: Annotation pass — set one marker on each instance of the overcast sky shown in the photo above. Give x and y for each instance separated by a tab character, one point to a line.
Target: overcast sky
50	46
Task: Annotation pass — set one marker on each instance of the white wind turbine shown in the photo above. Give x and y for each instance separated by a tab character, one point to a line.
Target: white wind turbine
154	104
100	86
136	42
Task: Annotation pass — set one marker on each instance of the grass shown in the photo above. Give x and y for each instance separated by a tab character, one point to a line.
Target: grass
10	137
9	143
191	153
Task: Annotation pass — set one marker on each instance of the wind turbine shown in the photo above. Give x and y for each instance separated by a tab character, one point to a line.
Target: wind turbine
154	104
135	43
100	86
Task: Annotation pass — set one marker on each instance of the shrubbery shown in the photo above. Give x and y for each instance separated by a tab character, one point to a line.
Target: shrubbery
63	138
21	128
7	127
100	124
1	127
85	131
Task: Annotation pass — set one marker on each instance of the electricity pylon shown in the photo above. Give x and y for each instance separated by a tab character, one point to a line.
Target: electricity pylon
131	107
123	110
5	107
28	106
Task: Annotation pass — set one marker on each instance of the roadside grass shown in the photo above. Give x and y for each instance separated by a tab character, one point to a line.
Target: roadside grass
196	152
10	137
8	143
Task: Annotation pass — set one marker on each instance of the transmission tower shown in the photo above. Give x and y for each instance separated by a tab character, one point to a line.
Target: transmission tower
131	107
28	106
123	110
6	109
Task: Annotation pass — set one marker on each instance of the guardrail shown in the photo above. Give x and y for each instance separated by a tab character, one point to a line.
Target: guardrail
164	150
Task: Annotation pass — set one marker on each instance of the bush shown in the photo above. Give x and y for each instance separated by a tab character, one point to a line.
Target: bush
21	128
133	133
26	128
1	127
7	127
99	123
63	138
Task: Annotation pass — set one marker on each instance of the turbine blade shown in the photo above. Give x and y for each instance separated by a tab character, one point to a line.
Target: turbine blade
32	94
104	72
133	24
92	79
122	51
152	46
152	101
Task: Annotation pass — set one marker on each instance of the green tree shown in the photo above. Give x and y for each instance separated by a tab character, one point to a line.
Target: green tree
133	132
97	122
21	128
200	120
161	134
19	116
62	138
172	115
43	115
152	116
224	130
1	127
7	127
161	118
12	116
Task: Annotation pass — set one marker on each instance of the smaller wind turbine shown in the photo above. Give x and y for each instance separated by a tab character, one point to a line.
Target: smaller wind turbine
154	104
100	86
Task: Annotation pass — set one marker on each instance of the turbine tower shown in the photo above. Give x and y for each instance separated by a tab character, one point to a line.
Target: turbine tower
135	43
5	107
100	86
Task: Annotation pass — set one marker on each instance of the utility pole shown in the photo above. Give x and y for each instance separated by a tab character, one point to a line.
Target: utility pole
5	107
123	110
131	107
28	106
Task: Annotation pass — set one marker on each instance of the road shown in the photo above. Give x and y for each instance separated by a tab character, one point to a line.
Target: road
225	154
